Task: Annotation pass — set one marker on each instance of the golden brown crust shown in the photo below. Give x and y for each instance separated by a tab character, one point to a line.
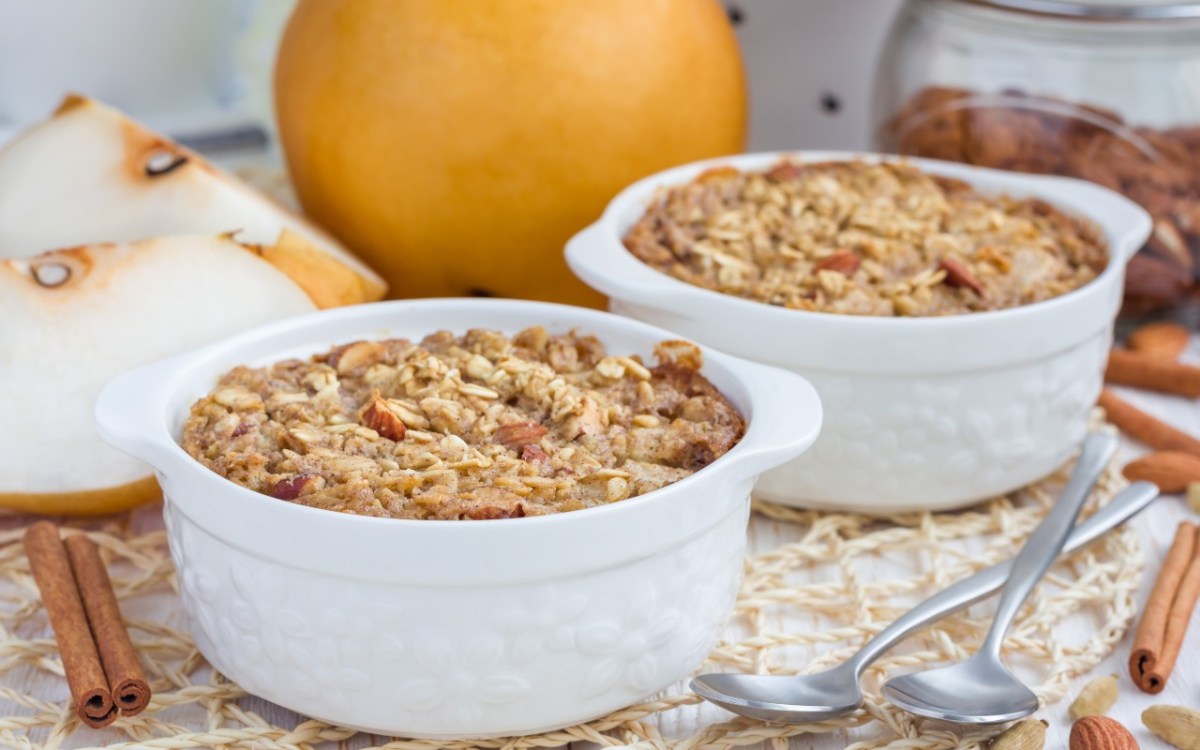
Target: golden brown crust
864	239
478	426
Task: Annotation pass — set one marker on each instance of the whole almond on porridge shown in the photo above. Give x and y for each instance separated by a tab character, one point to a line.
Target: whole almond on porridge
379	417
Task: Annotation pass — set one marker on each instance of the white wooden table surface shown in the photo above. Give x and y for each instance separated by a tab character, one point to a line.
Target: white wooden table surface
1156	528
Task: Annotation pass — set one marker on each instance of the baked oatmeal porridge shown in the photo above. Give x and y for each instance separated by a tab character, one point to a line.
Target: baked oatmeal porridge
478	426
864	239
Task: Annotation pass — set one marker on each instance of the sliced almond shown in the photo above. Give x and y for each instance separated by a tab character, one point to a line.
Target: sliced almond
358	355
533	452
517	435
842	261
383	420
957	275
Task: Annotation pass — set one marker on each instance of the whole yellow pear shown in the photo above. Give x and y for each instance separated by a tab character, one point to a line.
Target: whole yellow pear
456	145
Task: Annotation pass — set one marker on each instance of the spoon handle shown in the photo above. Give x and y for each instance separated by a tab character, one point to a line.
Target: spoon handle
1046	541
1127	503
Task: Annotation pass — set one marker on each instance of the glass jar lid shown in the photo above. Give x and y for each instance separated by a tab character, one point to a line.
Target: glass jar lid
1101	10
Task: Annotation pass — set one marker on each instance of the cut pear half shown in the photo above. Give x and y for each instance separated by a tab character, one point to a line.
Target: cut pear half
90	174
76	318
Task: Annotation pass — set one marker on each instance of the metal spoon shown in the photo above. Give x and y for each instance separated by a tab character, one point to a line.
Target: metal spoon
981	690
835	692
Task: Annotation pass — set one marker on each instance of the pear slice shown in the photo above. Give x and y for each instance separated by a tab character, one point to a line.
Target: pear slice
75	318
89	174
326	280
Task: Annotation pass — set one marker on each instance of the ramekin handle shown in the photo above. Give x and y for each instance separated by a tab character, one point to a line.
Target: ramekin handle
1131	223
1127	224
598	258
785	420
131	409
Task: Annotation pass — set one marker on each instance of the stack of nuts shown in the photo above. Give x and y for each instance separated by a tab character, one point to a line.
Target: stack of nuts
1092	730
1158	169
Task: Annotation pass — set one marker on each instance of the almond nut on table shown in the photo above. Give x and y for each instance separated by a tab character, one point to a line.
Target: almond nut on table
1172	471
1101	733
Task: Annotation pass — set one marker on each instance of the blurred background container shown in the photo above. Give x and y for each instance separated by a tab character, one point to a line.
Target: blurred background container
1101	90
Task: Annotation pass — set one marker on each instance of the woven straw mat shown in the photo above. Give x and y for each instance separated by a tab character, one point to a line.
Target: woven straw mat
819	586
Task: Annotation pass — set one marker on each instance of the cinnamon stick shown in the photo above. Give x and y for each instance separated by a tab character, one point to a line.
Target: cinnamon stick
126	680
1181	611
1145	428
1164	622
1152	372
51	570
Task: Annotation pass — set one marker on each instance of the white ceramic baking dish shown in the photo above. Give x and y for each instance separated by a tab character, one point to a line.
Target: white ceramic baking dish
453	628
920	413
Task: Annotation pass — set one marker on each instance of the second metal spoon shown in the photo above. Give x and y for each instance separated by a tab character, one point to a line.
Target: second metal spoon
981	689
835	692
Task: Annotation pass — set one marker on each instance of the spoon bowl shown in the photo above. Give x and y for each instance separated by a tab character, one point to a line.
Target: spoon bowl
976	691
793	700
799	699
981	690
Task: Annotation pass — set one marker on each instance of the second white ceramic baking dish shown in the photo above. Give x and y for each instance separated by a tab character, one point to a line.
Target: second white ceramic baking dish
920	413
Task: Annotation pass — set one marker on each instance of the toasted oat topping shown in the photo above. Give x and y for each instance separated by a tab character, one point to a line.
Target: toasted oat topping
477	426
864	239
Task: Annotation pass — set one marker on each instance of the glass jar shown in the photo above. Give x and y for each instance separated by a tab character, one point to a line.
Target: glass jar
1104	91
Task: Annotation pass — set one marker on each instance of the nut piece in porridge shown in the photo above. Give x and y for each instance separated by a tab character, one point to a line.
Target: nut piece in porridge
864	239
478	426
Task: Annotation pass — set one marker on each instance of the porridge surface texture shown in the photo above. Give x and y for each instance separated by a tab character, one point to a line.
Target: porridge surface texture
864	239
478	426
